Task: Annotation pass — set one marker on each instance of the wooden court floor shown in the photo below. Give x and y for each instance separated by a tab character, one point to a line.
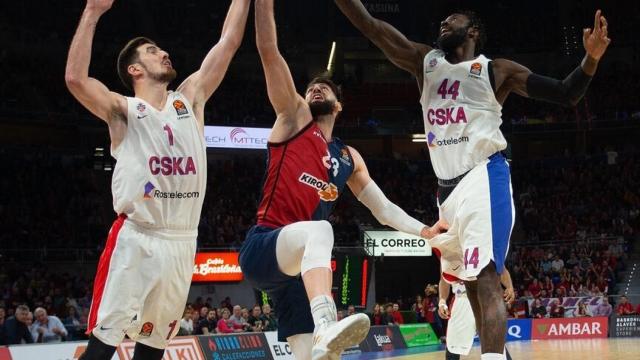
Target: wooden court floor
587	349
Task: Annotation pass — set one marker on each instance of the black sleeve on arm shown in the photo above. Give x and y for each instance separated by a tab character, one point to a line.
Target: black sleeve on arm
566	92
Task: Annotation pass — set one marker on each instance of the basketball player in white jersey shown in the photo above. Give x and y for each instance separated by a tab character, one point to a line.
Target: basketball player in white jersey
158	185
462	96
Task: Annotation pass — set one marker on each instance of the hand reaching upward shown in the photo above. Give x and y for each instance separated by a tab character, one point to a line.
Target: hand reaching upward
596	40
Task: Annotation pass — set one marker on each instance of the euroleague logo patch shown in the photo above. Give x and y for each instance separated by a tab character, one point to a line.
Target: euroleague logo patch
147	329
344	157
181	109
476	69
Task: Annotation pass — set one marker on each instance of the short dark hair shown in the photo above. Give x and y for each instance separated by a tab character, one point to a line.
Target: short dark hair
476	22
129	55
337	90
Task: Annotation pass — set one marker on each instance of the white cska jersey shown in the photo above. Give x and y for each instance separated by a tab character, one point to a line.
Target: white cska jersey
462	117
161	171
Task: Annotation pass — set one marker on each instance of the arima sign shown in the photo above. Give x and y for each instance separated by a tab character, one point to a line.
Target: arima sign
236	137
395	243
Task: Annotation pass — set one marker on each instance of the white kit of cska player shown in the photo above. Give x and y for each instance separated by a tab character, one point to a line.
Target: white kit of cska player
462	121
158	189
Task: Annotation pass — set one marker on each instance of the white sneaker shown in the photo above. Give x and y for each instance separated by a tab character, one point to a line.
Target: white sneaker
330	340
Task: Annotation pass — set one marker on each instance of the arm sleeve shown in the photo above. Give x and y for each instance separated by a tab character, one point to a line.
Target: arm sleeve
564	92
386	212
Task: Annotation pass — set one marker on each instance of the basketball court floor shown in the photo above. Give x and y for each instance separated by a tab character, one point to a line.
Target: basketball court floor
584	349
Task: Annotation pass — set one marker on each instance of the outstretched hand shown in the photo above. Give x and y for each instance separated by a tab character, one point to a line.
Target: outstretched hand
596	40
99	5
438	228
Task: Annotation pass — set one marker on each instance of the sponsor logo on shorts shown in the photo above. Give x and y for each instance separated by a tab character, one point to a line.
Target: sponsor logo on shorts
433	142
181	109
326	191
147	329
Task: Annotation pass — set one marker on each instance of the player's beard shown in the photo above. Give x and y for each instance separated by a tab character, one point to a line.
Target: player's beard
453	40
320	108
163	77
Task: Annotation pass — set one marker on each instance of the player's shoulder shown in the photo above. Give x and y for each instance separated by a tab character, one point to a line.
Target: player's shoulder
434	53
352	151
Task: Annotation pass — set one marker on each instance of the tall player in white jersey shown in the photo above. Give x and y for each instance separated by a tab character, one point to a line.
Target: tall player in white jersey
158	185
462	96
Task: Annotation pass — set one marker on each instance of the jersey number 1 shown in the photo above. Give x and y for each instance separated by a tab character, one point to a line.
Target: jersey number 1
167	128
452	90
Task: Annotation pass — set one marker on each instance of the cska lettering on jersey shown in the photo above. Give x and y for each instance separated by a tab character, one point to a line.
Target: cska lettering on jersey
445	116
167	165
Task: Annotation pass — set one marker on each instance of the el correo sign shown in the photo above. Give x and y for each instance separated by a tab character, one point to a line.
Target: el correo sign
395	243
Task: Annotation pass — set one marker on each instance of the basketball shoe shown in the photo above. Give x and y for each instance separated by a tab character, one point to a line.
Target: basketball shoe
330	339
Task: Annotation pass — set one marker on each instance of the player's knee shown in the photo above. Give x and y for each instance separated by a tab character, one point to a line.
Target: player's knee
323	232
325	227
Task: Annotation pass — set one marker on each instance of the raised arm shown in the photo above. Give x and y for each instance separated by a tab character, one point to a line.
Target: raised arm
386	212
404	53
511	76
292	111
199	86
91	93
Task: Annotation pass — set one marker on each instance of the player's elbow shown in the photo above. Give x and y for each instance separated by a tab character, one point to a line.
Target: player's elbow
268	50
71	80
232	42
383	215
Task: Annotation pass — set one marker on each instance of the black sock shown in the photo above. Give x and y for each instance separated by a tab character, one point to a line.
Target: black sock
451	356
97	350
507	354
144	352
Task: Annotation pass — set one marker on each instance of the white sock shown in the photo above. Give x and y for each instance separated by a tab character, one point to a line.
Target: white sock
492	356
323	309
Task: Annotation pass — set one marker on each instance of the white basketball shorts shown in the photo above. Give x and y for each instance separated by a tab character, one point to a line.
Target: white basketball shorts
480	214
141	284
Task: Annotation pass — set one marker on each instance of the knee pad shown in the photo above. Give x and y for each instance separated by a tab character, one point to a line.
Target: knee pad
317	253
